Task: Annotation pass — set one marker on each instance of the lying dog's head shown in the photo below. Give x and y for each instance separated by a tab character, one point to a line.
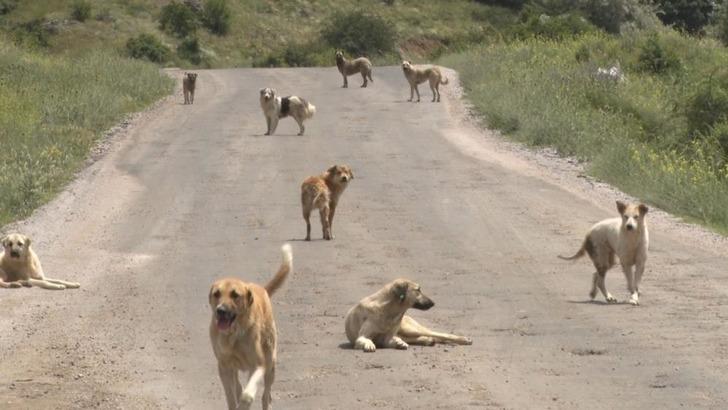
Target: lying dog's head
340	174
410	295
230	299
192	77
406	66
633	215
267	94
16	245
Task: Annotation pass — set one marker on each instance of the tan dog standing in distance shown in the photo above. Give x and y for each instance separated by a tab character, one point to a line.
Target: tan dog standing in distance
418	75
347	67
20	266
323	192
379	320
627	238
243	334
188	87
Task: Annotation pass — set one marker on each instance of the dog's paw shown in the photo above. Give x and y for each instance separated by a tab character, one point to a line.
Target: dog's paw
246	399
467	341
369	347
634	300
14	285
611	299
592	294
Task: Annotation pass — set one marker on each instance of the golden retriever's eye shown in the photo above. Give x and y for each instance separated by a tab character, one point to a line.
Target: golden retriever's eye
234	295
216	294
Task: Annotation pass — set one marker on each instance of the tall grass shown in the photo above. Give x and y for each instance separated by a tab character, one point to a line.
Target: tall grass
53	109
635	134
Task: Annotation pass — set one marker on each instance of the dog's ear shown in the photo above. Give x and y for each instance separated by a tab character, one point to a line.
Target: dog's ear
621	206
643	209
249	297
400	291
27	241
331	169
4	241
262	90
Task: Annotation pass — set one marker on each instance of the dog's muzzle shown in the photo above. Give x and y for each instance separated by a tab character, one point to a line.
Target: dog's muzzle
15	254
630	227
424	305
224	318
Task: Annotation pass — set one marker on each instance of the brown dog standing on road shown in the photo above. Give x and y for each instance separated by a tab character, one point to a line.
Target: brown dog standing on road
417	75
627	238
188	87
380	320
323	192
360	65
243	334
20	266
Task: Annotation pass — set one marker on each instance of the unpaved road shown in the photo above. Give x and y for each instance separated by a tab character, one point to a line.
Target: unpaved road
193	193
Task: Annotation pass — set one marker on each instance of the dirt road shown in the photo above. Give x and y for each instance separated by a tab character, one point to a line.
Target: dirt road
193	193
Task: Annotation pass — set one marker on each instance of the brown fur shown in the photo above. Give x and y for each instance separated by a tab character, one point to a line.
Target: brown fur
188	87
246	341
20	266
323	192
418	75
348	67
379	320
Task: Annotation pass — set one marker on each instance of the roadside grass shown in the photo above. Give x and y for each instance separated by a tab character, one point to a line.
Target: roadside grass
634	134
53	109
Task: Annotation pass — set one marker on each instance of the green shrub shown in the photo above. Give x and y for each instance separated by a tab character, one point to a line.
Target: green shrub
708	106
359	34
722	25
33	33
655	58
511	4
147	46
606	14
554	27
189	49
216	16
688	15
80	10
178	19
6	6
582	54
297	55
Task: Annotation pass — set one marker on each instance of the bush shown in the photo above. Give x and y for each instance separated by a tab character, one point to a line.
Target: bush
554	27
511	4
6	6
657	59
34	33
359	34
297	55
606	14
708	106
690	16
80	10
216	16
189	49
178	19
146	46
722	26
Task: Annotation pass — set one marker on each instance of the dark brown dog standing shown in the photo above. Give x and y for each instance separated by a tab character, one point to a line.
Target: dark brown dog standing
188	87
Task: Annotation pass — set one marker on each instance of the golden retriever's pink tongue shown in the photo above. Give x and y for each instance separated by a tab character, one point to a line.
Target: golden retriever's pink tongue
223	324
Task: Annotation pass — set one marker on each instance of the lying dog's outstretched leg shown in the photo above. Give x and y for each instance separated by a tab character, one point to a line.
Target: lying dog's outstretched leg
45	284
8	285
410	329
396	343
70	285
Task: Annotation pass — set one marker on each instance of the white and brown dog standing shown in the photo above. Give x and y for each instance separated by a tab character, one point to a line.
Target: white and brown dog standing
243	334
418	75
323	192
348	67
275	108
379	320
20	266
627	238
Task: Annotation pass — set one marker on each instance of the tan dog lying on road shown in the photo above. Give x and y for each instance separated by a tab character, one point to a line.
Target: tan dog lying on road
627	237
275	108
323	192
188	87
418	75
20	266
243	334
379	320
360	65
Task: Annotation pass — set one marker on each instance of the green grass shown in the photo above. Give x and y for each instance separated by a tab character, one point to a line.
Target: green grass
263	28
634	134
52	111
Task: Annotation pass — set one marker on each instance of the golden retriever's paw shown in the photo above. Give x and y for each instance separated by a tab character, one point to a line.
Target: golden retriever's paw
245	401
398	343
467	341
369	346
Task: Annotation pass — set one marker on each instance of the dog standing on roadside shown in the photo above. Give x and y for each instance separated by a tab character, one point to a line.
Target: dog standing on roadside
379	320
347	67
20	266
323	192
188	87
243	334
417	75
275	108
627	238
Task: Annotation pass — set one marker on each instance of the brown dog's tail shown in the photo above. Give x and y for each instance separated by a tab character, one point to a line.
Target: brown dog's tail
369	74
578	254
280	276
444	81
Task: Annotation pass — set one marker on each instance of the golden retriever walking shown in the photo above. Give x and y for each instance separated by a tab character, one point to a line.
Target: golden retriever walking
243	334
627	238
20	266
379	320
323	192
348	67
418	75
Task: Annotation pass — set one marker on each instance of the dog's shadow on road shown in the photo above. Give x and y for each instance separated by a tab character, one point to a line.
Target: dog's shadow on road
346	346
597	302
303	240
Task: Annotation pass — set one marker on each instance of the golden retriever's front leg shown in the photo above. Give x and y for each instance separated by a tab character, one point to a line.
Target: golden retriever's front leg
417	90
324	213
412	92
365	344
346	81
268	383
396	343
231	384
251	388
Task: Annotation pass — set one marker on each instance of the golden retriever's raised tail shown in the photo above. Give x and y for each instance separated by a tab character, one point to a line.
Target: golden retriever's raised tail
283	271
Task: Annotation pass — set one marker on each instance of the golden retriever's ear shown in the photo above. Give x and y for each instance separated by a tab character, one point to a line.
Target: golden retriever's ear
621	207
643	209
249	297
400	292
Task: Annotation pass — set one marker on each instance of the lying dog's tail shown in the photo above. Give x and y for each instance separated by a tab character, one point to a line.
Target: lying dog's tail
444	80
578	254
283	271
